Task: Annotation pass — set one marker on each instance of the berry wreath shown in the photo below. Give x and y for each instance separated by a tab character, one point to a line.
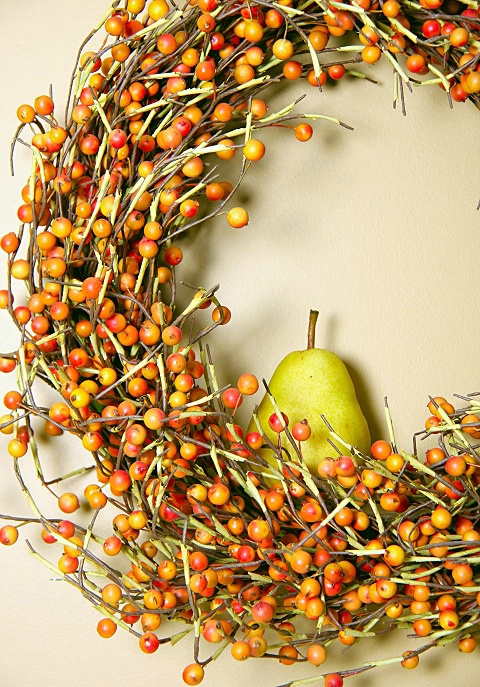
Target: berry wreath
110	201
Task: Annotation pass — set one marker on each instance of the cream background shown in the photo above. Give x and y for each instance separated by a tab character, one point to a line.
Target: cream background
377	228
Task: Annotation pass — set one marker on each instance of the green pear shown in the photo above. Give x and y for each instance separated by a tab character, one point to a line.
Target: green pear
306	385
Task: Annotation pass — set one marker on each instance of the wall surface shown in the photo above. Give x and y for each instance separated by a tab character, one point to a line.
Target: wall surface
377	228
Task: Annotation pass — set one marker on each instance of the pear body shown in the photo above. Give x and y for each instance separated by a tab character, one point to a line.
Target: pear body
306	385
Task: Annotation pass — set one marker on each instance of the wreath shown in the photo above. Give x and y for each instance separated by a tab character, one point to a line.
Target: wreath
258	542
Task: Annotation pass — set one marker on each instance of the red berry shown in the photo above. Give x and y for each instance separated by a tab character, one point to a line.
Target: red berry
301	431
232	398
275	422
117	138
149	642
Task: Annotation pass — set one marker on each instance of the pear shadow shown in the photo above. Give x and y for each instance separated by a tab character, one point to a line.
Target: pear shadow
368	404
327	337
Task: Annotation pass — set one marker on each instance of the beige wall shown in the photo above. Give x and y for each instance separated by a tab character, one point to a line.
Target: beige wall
377	228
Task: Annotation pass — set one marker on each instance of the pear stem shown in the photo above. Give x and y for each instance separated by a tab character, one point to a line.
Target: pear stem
312	323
